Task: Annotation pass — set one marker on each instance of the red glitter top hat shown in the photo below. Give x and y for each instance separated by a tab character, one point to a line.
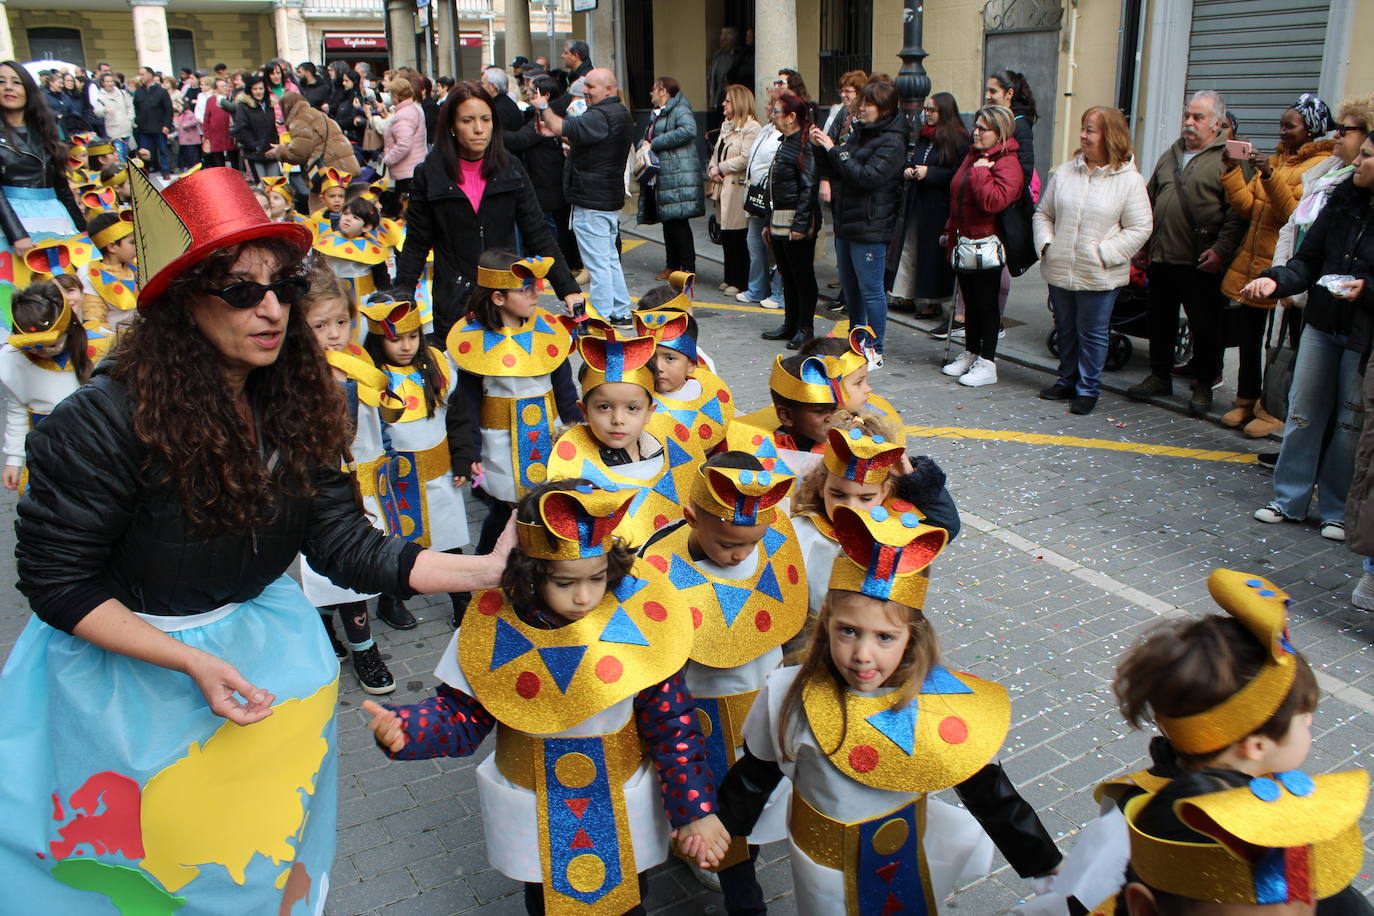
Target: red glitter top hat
195	215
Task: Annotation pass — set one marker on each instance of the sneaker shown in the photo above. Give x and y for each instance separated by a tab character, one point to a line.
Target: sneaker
721	285
962	363
1001	333
731	291
1152	387
1270	514
340	650
707	879
1363	595
1333	530
744	297
621	321
770	303
942	332
982	372
1056	392
372	672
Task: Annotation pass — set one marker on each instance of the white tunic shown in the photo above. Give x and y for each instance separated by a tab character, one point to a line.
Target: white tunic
32	390
498	471
445	513
510	816
818	555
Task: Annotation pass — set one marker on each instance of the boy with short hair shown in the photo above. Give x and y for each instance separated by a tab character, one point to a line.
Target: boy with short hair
111	282
694	404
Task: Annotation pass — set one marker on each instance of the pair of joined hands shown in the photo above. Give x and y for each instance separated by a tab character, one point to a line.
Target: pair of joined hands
705	841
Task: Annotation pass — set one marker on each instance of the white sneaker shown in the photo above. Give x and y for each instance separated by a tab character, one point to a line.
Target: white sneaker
770	303
957	334
1333	530
1363	595
744	297
962	363
1270	514
982	372
1001	333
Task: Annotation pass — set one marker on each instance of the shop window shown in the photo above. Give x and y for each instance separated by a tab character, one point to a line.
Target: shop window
51	43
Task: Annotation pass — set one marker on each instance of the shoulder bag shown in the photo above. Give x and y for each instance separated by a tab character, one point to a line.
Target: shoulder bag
1014	229
1279	362
756	195
972	255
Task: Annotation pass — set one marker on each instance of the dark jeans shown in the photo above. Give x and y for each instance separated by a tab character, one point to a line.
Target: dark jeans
1200	294
1082	319
228	158
1250	322
498	513
680	251
739	885
159	159
534	898
560	221
797	265
188	155
982	320
735	246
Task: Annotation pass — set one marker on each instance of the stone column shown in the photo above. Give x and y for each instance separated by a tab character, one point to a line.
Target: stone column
151	44
401	15
6	40
775	46
518	32
446	27
288	21
601	39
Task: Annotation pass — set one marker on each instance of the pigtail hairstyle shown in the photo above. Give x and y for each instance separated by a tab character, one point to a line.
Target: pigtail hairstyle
424	362
38	306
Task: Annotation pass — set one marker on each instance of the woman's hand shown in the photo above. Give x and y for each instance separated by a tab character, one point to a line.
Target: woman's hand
705	840
984	163
10	476
1261	288
823	192
713	173
22	246
821	138
1261	163
571	301
386	726
219	681
1353	290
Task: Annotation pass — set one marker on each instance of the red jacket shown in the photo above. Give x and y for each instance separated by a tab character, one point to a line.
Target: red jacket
216	126
977	195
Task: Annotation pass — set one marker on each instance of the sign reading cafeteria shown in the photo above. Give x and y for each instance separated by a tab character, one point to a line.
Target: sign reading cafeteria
355	41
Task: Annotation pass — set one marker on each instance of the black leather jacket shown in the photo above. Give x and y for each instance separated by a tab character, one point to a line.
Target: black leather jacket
24	163
599	141
794	187
100	520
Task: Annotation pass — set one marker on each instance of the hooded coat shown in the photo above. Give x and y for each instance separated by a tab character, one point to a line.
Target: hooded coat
313	135
678	190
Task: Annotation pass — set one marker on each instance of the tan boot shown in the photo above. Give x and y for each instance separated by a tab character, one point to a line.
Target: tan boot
1242	411
1263	424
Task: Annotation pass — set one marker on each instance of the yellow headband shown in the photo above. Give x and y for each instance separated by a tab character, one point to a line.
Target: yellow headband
44	337
1263	609
812	386
277	184
1286	837
333	178
516	276
115	180
855	455
112	233
740	496
575	524
883	552
391	319
612	359
99	148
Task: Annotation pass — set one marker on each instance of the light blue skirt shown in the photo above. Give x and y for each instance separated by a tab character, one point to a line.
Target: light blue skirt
123	793
45	218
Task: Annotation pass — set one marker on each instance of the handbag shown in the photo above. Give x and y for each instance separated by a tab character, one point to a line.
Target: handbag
780	221
1018	240
646	165
756	194
971	255
1279	363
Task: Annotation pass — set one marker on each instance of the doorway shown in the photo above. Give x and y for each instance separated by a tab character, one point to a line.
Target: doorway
52	43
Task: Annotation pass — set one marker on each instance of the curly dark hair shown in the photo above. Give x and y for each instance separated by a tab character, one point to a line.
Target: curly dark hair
525	575
38	117
206	446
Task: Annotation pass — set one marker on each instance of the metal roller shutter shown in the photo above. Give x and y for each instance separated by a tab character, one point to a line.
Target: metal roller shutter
1260	54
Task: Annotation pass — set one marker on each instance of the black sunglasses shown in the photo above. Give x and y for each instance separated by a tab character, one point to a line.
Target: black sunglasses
246	294
1342	129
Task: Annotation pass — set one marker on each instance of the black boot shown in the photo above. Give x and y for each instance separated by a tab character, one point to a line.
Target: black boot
460	606
395	613
340	650
800	338
781	332
373	675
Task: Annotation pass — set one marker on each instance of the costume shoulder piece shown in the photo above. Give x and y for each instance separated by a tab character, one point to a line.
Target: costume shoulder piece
367	248
698	424
120	292
736	620
537	347
408	384
546	681
373	384
746	434
945	735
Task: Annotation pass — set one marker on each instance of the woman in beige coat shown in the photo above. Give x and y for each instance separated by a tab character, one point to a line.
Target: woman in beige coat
727	174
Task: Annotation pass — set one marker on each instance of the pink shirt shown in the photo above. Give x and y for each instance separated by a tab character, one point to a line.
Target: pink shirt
471	182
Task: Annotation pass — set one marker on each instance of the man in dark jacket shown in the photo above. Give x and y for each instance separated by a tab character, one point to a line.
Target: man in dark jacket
599	142
1196	234
315	90
577	62
497	84
153	121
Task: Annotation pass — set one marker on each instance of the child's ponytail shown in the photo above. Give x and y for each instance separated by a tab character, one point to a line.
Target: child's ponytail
38	306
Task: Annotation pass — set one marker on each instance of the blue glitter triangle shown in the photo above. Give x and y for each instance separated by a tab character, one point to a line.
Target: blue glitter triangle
939	680
683	575
525	339
772	540
593	473
897	725
731	599
562	662
684	415
712	409
491	340
629	587
677	455
508	645
541	326
768	584
667	487
620	628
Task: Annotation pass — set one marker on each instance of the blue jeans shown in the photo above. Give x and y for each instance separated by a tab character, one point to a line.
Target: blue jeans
764	281
862	265
1081	320
596	231
156	145
1325	414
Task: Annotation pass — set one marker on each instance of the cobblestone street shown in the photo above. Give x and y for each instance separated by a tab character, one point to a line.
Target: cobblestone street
1080	532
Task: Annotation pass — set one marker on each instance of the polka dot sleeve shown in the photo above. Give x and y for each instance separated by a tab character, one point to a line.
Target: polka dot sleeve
666	714
449	724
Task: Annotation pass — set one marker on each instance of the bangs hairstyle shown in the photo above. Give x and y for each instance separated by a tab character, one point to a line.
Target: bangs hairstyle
1116	135
326	287
39	305
922	654
480	305
951	136
525	576
197	439
425	362
883	96
365	210
1000	120
68	283
1182	668
854	79
806	497
1361	108
494	159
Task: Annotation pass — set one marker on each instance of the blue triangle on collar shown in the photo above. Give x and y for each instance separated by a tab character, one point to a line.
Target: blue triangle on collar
768	584
732	599
939	680
712	409
772	540
897	725
525	339
562	662
508	645
621	629
682	574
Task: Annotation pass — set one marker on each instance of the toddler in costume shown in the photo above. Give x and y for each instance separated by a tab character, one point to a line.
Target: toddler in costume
694	405
356	250
577	666
613	448
673	296
112	281
734	562
867	727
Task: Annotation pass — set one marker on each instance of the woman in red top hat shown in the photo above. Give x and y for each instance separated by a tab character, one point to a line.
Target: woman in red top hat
167	716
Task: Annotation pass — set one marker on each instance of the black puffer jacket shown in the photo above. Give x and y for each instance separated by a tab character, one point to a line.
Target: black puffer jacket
96	524
254	128
1341	241
441	218
543	159
24	163
792	185
865	175
600	140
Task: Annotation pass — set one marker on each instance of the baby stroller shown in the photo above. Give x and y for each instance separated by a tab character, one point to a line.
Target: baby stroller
1130	319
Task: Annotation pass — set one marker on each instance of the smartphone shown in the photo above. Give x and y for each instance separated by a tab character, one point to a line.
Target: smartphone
1239	150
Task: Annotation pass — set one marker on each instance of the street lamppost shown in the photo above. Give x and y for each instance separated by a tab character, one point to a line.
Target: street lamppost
913	84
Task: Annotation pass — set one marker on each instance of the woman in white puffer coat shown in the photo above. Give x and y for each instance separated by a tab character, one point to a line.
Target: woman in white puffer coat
1093	216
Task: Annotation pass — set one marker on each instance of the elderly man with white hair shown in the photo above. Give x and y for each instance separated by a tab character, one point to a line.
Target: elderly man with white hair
497	83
